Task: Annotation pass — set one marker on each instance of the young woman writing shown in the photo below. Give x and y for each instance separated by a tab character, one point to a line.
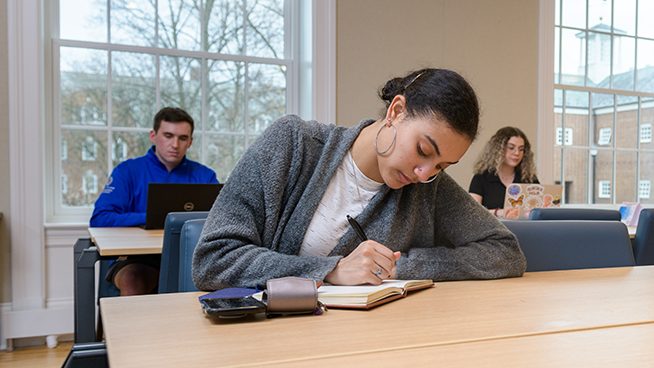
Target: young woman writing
283	211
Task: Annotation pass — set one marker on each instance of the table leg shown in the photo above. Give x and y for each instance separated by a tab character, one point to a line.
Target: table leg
86	255
87	355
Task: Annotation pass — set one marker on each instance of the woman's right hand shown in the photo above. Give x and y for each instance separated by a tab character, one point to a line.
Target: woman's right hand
370	263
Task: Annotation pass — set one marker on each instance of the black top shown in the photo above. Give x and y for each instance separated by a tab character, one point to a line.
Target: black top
491	189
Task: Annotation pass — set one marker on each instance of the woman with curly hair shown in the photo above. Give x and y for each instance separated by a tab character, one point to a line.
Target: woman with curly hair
507	158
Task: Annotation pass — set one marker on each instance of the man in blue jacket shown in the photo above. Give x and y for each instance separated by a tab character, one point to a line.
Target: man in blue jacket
124	199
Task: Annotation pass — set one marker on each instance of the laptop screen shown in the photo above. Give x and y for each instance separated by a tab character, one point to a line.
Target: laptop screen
522	198
165	198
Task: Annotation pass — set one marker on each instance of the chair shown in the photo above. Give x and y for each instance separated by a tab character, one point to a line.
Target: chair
170	253
191	232
92	354
574	214
565	245
643	242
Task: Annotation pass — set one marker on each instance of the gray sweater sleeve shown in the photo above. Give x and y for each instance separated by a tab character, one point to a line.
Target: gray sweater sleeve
240	244
470	242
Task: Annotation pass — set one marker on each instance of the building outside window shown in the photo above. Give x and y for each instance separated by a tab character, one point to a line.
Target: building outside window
604	92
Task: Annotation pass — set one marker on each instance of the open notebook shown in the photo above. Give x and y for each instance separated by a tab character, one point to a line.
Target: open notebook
368	296
522	198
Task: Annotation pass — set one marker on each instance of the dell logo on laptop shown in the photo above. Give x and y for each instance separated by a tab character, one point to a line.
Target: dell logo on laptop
188	206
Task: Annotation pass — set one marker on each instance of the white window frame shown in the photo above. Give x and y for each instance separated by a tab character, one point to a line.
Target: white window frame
313	95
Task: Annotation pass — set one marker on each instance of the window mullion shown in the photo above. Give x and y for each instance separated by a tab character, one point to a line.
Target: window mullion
638	123
109	94
593	151
614	145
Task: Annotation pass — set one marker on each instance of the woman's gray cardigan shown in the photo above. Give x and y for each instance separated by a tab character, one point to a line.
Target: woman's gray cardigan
256	226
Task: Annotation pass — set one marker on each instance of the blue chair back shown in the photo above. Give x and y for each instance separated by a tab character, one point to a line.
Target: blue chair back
191	232
643	242
565	245
169	271
574	214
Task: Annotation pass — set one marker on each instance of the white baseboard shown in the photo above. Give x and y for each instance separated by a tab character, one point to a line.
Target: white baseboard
55	320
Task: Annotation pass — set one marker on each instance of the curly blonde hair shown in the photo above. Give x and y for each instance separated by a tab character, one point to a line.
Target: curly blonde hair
492	155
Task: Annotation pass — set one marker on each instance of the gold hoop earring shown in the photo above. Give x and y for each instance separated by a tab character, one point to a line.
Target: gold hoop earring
431	179
382	153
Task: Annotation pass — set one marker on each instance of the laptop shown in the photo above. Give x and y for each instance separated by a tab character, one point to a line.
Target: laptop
165	198
522	198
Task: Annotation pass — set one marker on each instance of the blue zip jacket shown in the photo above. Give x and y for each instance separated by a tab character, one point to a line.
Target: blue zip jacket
123	201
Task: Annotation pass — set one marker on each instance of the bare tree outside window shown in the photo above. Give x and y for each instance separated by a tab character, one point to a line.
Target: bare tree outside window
223	61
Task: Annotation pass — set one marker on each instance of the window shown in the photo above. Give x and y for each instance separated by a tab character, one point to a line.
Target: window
604	189
233	65
64	184
604	136
603	81
644	187
568	136
646	133
64	150
89	183
89	149
119	153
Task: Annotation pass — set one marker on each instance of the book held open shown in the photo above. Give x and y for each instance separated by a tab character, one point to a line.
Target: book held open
368	296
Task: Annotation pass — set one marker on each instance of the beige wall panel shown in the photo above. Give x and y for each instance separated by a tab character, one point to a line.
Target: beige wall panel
5	271
494	44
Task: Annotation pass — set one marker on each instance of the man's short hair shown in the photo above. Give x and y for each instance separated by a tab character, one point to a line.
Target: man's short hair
173	115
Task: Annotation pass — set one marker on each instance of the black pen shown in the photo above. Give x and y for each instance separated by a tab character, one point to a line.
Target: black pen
357	228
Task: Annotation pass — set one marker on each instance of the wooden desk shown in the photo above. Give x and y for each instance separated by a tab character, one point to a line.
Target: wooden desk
624	346
104	242
170	330
123	241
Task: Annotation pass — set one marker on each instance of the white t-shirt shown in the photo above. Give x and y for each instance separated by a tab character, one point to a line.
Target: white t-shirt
341	198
